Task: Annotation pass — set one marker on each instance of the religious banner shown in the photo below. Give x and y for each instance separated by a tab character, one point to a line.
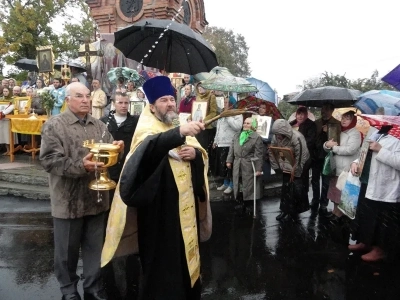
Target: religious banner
45	59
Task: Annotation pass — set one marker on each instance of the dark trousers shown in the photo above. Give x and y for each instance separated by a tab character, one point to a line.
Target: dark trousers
70	235
321	198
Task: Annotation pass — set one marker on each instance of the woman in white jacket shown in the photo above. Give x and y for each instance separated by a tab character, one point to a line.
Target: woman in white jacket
344	154
378	213
226	129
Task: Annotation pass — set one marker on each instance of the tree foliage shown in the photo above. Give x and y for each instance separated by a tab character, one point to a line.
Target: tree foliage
361	84
286	109
230	48
27	24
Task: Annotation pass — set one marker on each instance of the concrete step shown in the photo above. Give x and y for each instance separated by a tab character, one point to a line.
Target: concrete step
36	192
27	176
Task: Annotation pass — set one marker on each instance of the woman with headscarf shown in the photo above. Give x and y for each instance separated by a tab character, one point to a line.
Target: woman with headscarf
206	137
286	137
344	155
226	129
186	103
246	148
141	96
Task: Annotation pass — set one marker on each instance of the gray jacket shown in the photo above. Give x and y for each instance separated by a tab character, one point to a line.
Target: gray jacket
241	157
292	139
61	155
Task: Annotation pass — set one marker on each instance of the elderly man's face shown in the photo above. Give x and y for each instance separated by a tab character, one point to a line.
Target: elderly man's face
4	82
165	109
95	84
79	99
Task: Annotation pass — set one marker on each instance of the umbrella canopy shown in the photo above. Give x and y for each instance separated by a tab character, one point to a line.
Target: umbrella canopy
252	103
76	63
379	121
27	64
338	96
265	92
149	74
393	77
166	45
220	79
222	71
127	74
379	102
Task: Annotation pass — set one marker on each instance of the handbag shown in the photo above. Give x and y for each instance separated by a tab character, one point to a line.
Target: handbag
329	168
341	180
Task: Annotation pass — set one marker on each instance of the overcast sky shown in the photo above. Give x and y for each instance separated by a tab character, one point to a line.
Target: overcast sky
291	41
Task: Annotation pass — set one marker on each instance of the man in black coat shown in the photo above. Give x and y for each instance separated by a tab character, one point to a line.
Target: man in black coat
122	126
121	277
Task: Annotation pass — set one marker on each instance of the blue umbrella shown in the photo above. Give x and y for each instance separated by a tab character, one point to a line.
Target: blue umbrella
373	101
393	77
265	92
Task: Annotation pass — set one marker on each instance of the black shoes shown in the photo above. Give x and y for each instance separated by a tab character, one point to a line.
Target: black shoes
100	295
74	296
281	216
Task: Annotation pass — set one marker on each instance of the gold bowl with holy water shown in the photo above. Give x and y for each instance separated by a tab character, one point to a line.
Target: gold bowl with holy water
107	154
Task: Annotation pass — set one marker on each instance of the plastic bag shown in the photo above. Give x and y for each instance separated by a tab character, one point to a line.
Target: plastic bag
342	180
329	168
349	197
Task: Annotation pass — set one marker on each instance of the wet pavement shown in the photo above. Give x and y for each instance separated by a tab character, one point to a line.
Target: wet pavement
245	258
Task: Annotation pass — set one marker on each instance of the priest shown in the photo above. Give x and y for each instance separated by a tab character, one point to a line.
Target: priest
161	206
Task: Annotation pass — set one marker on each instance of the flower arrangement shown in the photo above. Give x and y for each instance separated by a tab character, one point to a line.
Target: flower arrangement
47	100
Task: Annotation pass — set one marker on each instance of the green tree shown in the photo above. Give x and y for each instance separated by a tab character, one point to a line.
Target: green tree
26	24
372	83
231	50
361	84
286	109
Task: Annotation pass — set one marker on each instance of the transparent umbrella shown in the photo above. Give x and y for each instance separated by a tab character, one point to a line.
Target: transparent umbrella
220	79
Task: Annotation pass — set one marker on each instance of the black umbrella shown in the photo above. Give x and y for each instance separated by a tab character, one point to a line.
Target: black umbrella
180	49
27	64
338	96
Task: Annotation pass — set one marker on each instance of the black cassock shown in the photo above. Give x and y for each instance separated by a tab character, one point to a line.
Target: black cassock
147	183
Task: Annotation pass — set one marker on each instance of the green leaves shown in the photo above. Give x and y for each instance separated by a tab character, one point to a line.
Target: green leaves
230	48
27	24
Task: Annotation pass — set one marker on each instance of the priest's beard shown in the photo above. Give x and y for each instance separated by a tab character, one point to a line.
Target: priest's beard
166	117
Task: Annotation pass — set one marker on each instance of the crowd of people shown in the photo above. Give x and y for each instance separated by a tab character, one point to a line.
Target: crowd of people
163	170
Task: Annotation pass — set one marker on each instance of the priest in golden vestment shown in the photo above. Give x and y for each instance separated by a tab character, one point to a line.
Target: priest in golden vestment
161	207
98	99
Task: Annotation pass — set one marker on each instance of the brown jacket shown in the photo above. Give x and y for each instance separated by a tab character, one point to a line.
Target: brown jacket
61	154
